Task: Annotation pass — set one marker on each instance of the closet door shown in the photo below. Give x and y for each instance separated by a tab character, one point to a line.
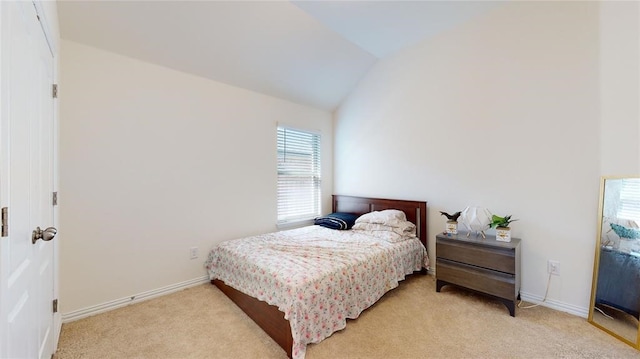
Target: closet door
26	184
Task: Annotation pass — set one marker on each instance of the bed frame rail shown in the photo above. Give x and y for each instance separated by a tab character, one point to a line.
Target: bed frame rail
267	316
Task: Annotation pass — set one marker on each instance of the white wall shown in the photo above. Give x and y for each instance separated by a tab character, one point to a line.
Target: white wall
619	88
153	162
502	112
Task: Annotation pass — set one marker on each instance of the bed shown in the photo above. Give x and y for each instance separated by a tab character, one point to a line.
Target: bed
319	300
618	278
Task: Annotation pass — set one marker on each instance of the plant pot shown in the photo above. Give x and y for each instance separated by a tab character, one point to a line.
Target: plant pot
503	234
452	227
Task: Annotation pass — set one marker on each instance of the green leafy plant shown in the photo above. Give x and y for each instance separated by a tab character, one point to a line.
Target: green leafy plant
497	221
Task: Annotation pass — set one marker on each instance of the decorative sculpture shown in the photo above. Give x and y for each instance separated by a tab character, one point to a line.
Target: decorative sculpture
451	217
476	219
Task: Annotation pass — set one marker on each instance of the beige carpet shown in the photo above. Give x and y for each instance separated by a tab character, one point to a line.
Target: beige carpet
412	321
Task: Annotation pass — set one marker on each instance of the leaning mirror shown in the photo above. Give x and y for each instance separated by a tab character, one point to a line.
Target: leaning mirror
615	293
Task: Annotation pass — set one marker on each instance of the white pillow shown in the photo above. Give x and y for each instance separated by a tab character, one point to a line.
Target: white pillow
404	228
388	216
397	233
611	238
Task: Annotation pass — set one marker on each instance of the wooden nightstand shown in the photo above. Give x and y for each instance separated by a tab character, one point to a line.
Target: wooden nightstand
481	264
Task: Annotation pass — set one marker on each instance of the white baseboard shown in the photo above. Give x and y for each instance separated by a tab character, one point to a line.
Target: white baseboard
549	303
118	303
554	304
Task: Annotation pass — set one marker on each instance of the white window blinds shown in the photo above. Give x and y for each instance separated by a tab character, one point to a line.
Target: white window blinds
630	200
298	175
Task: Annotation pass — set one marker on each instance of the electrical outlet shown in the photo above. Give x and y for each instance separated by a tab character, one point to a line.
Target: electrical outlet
193	252
553	267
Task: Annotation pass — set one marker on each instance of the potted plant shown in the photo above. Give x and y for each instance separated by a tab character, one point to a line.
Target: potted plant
501	224
452	222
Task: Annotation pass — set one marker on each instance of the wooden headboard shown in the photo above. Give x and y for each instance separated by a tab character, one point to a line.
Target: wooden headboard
416	211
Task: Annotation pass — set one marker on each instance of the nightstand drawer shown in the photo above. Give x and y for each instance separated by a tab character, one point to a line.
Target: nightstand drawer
499	259
487	281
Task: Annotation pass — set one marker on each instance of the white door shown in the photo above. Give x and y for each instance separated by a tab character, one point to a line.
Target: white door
26	184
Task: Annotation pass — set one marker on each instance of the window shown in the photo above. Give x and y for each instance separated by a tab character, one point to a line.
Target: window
298	175
629	207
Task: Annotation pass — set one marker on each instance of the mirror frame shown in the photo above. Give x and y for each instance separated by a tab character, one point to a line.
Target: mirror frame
596	266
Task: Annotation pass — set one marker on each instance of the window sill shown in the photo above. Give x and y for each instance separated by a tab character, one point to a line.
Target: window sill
294	224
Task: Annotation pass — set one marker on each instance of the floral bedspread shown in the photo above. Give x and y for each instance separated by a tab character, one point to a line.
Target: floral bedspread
318	277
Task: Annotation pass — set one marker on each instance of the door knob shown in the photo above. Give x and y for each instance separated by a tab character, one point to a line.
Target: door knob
45	235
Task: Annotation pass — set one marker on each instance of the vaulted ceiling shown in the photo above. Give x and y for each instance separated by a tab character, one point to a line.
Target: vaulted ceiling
308	52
